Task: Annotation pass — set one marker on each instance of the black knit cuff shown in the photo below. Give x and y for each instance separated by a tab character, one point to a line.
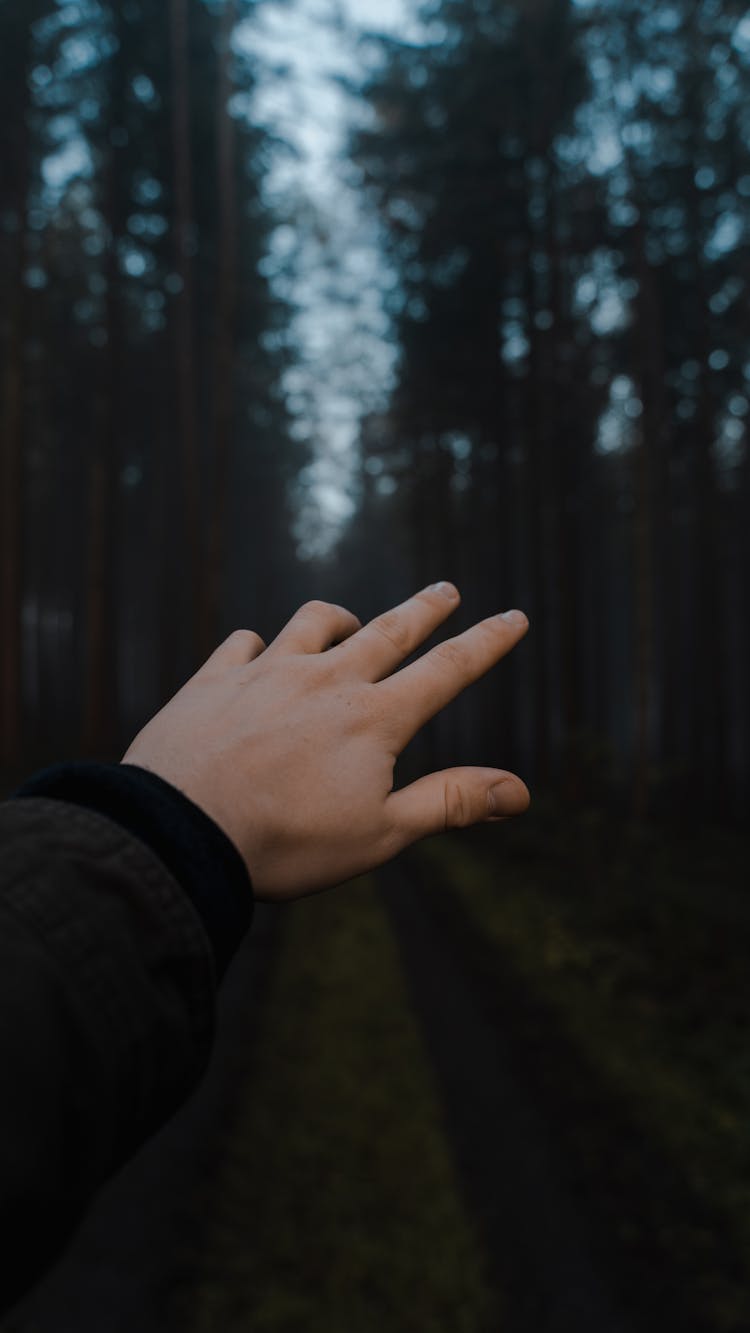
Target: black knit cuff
190	843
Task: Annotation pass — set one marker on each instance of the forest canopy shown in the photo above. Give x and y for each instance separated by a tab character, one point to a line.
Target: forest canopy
523	293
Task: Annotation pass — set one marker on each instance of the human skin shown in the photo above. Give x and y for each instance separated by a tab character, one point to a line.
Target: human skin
291	748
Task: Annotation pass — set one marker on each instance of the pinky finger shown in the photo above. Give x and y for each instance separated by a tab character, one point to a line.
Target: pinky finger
242	646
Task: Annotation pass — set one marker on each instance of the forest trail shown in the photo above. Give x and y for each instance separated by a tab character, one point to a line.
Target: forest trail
573	1203
550	1173
537	1240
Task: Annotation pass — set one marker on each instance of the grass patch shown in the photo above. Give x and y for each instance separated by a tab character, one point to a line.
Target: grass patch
337	1209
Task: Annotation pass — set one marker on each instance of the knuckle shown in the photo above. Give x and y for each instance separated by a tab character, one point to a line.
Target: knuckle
428	598
451	653
364	712
245	638
315	607
394	630
492	628
457	812
393	839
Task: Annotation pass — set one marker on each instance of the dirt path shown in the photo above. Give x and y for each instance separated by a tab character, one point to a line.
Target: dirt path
549	1166
515	1097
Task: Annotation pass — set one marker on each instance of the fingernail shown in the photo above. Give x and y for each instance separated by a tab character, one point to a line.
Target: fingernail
507	797
494	797
514	617
445	590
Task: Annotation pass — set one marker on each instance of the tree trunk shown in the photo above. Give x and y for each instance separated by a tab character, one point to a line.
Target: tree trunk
563	466
651	378
224	338
100	717
12	432
535	511
185	551
709	713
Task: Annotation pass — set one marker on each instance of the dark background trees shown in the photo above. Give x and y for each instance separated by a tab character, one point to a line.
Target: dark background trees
506	343
139	391
563	196
561	192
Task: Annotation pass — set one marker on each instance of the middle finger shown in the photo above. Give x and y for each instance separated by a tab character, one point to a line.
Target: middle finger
376	650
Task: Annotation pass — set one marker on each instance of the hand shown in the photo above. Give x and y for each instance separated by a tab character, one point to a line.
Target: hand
291	748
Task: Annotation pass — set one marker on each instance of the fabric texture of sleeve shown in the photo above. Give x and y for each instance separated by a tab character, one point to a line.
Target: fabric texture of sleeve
199	854
108	981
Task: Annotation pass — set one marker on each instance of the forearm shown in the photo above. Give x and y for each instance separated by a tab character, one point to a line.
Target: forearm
193	848
107	1001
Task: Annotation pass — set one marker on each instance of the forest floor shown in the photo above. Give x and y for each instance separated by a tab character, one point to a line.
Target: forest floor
504	1084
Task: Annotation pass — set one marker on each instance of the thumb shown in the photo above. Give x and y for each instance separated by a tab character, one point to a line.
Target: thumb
456	798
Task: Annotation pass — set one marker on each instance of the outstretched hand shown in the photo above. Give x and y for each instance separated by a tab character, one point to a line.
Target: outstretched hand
291	748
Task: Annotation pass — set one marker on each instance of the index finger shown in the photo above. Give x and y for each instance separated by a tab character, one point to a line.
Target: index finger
419	691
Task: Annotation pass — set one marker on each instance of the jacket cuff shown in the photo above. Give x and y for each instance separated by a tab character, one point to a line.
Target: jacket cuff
201	857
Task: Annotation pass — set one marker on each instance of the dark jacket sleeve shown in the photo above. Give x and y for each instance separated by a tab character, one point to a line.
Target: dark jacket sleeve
121	903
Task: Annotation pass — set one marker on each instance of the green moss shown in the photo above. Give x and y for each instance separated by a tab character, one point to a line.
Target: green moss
338	1209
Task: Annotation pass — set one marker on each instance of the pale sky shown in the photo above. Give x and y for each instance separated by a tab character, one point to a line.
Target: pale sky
326	256
327	260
